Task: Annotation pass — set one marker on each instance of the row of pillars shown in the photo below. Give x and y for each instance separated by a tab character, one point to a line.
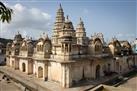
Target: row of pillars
66	48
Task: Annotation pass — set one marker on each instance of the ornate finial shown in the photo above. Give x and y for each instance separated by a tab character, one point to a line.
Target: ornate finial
43	33
46	36
114	38
67	17
40	36
60	6
18	32
81	22
80	19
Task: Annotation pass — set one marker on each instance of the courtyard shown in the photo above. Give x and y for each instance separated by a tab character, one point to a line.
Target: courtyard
131	83
8	85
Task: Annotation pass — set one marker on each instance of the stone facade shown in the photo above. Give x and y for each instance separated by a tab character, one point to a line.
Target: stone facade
70	57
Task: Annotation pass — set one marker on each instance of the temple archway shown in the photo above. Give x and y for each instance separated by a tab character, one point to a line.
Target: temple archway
40	72
23	67
97	71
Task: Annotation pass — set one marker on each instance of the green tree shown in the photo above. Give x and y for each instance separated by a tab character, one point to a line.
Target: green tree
5	13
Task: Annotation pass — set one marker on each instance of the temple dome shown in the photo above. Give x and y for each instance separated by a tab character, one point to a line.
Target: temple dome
68	25
8	44
18	37
80	27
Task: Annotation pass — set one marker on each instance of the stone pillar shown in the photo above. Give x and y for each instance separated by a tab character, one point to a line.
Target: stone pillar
16	67
46	71
30	66
68	48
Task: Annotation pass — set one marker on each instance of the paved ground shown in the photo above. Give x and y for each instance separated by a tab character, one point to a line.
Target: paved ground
51	86
40	85
5	86
131	83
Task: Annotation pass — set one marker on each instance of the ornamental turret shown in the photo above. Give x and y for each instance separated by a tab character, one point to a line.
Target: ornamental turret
43	47
58	24
15	47
81	34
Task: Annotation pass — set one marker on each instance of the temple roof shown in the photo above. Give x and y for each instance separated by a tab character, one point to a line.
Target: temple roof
68	24
18	37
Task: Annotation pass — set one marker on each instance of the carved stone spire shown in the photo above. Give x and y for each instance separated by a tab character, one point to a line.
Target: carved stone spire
80	33
60	6
80	26
60	14
67	18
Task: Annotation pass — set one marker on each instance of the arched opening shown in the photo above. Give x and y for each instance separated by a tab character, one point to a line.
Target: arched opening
97	71
97	48
98	45
104	69
40	72
5	59
23	67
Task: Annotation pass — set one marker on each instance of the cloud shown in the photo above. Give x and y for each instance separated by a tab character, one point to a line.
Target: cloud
28	21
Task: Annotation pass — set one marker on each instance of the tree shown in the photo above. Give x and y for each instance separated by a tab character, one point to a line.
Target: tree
5	13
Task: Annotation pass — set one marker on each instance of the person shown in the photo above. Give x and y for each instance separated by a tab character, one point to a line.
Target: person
4	76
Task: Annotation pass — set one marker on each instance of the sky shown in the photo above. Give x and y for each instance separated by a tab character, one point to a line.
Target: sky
113	18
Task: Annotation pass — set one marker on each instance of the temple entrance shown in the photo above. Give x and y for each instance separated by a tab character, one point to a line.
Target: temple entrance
23	67
97	71
40	72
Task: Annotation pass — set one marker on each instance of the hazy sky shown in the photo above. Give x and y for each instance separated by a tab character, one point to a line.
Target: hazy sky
110	17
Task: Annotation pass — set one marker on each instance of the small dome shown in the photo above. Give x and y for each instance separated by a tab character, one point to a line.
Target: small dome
46	37
81	24
68	25
18	37
125	44
8	44
40	41
97	39
26	45
115	42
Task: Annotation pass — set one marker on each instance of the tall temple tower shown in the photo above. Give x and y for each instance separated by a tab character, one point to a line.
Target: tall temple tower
67	39
58	25
81	34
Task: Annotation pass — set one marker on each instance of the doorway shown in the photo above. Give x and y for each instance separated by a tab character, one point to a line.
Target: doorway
40	72
97	71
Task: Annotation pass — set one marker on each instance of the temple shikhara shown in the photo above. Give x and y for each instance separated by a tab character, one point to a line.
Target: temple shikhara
69	56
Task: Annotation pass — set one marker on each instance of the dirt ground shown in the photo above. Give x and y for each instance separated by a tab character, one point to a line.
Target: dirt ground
8	86
131	83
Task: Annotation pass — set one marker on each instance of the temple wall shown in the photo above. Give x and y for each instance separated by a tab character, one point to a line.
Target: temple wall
21	67
54	71
40	64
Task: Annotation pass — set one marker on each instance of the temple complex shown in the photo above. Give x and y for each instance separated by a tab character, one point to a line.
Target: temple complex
69	56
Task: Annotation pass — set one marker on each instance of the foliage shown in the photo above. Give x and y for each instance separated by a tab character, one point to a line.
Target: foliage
5	13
